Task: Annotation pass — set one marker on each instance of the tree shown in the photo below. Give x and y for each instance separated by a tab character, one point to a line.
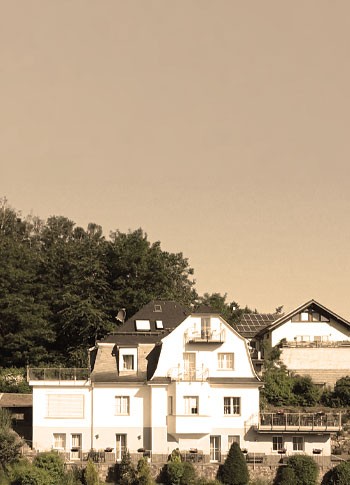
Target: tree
31	475
306	393
339	475
91	474
342	391
126	472
144	473
285	476
234	470
10	447
305	469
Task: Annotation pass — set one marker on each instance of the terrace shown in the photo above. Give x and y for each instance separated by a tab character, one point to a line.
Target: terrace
57	374
299	422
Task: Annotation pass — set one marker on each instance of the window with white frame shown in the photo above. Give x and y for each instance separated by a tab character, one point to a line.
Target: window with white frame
191	404
277	443
233	439
232	405
70	406
127	359
298	443
128	362
59	441
225	360
122	405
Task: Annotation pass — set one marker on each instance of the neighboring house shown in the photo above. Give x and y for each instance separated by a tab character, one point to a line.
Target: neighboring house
20	407
167	379
314	340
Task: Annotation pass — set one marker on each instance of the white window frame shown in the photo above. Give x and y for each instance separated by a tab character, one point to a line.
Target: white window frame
191	405
233	438
277	443
226	360
120	445
298	443
122	405
59	441
232	406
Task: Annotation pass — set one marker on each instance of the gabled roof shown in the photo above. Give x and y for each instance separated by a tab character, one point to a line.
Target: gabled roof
252	323
169	313
312	304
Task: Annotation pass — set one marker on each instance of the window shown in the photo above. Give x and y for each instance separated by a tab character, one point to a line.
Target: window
277	443
215	448
191	404
226	361
298	443
65	406
233	439
76	446
143	325
157	308
310	316
205	328
120	445
232	405
59	441
122	405
159	324
128	362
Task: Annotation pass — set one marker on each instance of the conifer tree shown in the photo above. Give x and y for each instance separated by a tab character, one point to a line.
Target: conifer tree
234	471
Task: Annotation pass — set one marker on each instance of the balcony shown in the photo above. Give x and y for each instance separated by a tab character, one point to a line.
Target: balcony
57	374
191	374
189	424
208	336
299	422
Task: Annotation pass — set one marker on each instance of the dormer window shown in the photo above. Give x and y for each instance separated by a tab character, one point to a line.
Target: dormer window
127	360
158	308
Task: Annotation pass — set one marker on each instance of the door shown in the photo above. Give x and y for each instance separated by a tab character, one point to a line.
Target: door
189	366
215	448
76	446
120	446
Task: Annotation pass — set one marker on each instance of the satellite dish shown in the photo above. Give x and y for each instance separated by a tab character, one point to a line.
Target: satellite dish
121	315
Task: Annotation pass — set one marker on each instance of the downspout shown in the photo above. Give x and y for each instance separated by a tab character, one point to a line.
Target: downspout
92	417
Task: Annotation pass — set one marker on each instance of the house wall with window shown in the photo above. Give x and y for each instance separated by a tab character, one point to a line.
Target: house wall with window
61	409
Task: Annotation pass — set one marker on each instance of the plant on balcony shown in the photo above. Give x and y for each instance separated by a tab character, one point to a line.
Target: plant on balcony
234	470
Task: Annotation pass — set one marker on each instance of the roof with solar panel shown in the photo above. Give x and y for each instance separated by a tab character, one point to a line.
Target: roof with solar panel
252	323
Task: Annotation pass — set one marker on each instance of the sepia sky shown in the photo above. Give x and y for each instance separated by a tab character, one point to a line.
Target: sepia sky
219	127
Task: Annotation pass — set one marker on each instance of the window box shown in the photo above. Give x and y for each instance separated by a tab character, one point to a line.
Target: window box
317	451
108	450
282	451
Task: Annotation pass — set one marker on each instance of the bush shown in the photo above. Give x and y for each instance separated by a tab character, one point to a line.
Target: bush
126	472
9	447
304	468
174	472
53	464
234	471
26	474
90	474
306	393
285	476
339	475
144	473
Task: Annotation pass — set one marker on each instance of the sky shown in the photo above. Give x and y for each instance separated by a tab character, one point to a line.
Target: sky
219	127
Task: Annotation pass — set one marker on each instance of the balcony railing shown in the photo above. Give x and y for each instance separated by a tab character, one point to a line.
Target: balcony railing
317	422
57	374
315	343
205	336
181	373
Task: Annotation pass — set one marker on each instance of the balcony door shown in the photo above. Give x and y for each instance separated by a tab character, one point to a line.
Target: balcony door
189	366
120	446
205	328
215	448
76	446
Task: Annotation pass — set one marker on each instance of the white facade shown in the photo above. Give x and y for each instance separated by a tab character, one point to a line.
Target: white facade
194	389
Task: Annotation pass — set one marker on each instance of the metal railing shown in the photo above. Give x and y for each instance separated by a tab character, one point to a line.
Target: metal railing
205	336
181	373
300	421
57	374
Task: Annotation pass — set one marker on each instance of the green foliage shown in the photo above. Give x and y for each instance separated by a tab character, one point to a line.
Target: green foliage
13	379
277	386
26	474
234	471
305	469
53	464
126	472
188	474
231	312
339	475
144	473
91	474
174	472
341	391
9	447
5	419
306	393
285	476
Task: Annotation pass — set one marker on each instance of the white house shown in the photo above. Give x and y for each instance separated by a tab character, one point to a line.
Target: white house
167	379
314	340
